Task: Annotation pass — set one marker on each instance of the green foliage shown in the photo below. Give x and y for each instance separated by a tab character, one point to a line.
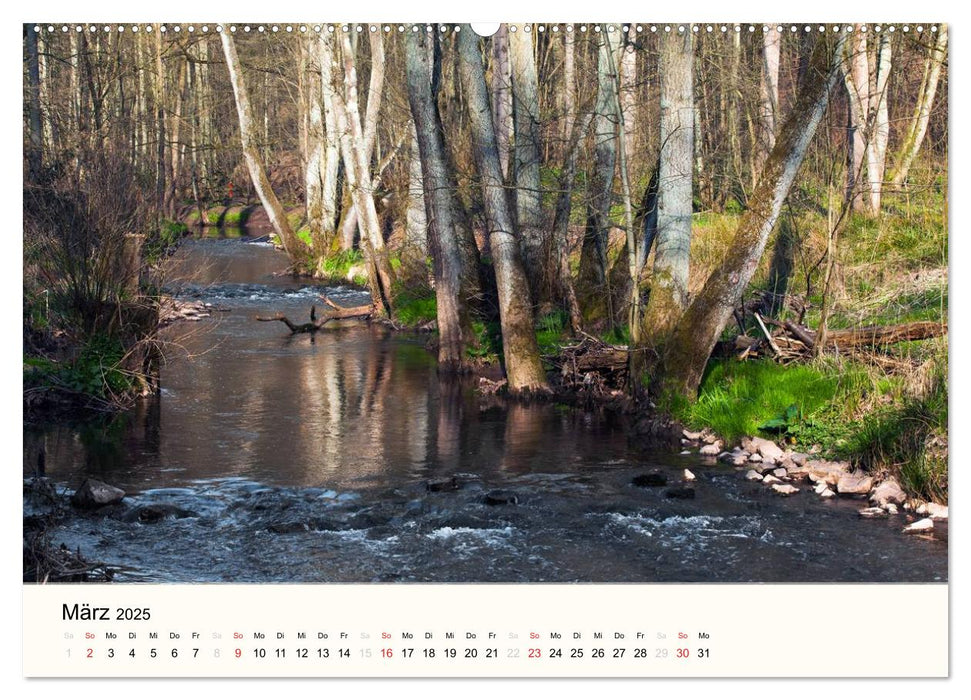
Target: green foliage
741	398
95	371
337	266
908	437
414	310
550	331
487	343
618	335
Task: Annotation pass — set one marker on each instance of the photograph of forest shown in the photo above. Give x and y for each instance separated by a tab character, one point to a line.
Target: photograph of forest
530	302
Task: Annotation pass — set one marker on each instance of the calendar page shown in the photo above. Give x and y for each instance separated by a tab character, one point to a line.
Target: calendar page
587	349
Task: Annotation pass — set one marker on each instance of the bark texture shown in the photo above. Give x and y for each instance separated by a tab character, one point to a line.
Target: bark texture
296	248
699	328
524	370
453	318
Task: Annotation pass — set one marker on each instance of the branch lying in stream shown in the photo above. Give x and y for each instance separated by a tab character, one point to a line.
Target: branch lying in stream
315	325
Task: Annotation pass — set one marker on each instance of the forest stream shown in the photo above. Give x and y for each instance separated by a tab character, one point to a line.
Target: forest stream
342	456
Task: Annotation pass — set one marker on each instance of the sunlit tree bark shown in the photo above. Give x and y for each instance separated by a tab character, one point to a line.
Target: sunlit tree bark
296	248
524	370
698	329
917	127
453	319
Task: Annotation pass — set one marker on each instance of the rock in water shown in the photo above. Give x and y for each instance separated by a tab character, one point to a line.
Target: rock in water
784	489
764	447
711	450
888	492
753	475
925	525
501	498
827	493
854	484
769	480
447	484
649	480
94	494
688	476
680	492
873	512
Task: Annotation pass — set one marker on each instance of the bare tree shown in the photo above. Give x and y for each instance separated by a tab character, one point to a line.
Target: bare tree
502	95
526	161
295	247
355	141
524	370
698	329
453	319
917	127
669	280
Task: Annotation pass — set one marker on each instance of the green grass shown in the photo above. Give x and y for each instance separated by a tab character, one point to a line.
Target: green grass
738	398
551	331
339	264
414	310
908	438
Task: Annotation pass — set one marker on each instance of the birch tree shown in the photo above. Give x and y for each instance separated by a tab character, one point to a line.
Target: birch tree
917	126
296	248
524	370
768	97
669	280
354	144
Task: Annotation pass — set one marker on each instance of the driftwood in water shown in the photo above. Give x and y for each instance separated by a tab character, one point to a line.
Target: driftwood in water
315	325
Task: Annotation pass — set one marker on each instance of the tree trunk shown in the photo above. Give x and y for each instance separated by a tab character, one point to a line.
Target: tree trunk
502	95
857	81
527	160
36	139
628	96
669	281
881	124
594	298
296	248
332	156
524	370
768	97
359	175
454	327
917	127
569	84
699	328
416	218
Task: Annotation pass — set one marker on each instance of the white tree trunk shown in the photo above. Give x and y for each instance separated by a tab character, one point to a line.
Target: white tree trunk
359	178
881	124
502	95
768	95
669	282
295	248
857	81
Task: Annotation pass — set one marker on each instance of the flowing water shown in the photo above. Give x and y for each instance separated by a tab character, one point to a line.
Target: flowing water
343	457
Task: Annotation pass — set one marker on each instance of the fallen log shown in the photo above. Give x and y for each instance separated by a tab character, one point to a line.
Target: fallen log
339	312
871	335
